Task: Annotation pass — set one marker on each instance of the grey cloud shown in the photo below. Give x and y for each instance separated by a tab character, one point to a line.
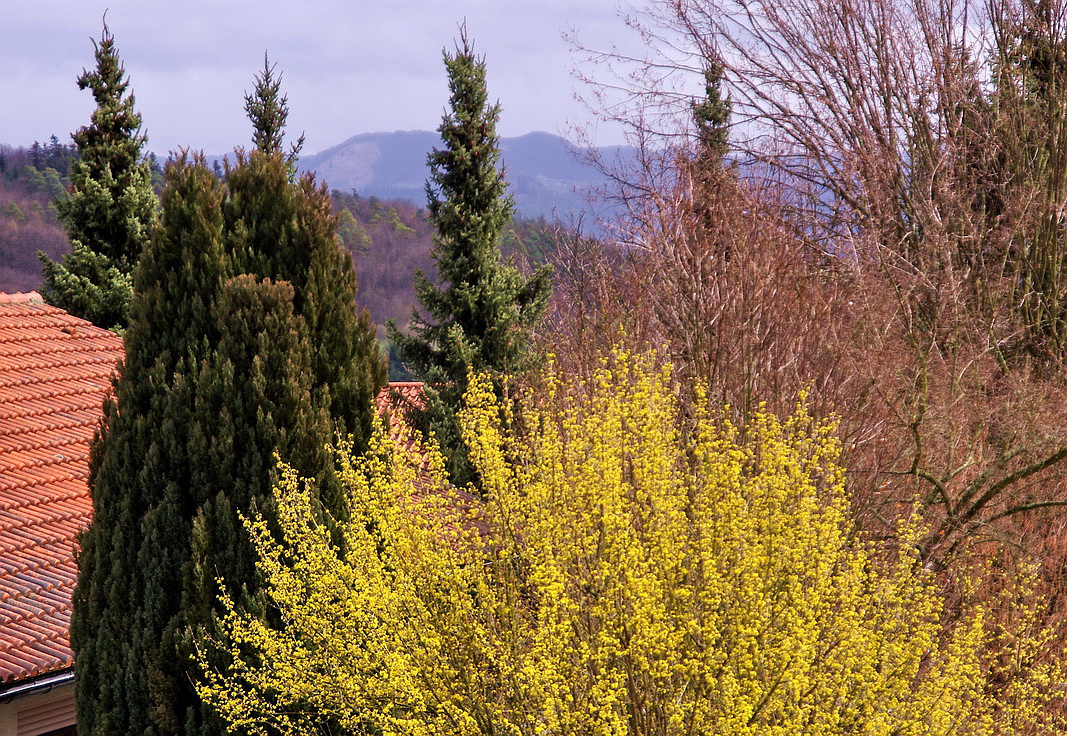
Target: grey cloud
349	67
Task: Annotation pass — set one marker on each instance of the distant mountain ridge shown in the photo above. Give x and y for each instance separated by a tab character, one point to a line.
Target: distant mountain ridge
547	176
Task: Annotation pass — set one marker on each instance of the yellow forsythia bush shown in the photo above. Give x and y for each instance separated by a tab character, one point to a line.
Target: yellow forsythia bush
630	571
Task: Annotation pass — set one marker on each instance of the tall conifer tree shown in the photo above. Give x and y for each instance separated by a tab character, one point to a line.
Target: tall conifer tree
123	627
252	406
285	229
268	109
245	345
482	312
712	177
711	115
111	207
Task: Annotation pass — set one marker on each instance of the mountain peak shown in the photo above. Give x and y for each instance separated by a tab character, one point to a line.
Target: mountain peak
545	175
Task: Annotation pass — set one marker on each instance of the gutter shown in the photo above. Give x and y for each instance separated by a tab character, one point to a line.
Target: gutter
39	684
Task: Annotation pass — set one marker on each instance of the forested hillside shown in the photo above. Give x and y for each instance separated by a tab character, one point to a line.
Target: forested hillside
389	239
31	179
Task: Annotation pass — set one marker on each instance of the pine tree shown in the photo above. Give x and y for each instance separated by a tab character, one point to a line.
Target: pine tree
482	313
111	207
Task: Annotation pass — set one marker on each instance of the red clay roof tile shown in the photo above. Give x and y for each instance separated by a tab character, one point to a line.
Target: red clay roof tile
55	371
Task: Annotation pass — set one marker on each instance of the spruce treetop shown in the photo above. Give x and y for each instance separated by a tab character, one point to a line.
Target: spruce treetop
111	208
268	109
467	194
483	305
712	113
114	136
481	313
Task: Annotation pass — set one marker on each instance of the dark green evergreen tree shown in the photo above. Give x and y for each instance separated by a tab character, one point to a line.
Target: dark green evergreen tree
111	207
711	114
244	345
481	314
217	384
286	230
711	177
123	627
252	406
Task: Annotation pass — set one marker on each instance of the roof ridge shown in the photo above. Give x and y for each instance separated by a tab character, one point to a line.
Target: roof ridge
21	297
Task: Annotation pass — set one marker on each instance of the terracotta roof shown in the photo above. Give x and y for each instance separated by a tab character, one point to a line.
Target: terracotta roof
394	402
55	370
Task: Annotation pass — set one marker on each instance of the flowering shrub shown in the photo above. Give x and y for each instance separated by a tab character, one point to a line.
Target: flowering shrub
630	571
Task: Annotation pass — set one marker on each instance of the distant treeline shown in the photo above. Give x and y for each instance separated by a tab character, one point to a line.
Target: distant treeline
389	239
31	180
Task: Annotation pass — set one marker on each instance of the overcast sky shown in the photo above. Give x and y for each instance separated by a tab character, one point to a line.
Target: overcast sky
350	66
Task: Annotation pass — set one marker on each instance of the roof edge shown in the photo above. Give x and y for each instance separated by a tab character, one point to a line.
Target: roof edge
40	683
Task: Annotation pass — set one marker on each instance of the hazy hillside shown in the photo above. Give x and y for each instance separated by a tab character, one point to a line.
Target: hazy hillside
30	181
546	176
389	237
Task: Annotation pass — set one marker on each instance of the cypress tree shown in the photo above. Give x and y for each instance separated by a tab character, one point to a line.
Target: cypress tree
252	406
217	384
286	230
132	555
482	313
111	207
244	345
